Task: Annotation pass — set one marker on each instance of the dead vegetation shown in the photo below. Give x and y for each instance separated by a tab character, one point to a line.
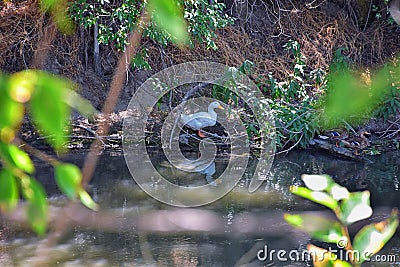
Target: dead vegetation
258	35
319	35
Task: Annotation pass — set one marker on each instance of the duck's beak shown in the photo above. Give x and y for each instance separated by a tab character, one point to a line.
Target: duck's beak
220	107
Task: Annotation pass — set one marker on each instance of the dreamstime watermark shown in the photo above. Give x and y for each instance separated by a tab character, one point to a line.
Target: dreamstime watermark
282	255
147	96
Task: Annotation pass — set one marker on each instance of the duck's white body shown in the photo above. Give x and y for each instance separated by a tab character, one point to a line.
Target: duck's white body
199	120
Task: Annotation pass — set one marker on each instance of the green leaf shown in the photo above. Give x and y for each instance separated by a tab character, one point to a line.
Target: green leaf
68	178
317	182
340	263
59	10
355	208
17	157
9	195
324	258
11	112
168	16
318	227
74	100
34	193
371	238
22	85
87	200
318	197
49	111
339	192
349	98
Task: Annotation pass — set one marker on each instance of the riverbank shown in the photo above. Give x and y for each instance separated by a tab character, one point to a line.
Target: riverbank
384	137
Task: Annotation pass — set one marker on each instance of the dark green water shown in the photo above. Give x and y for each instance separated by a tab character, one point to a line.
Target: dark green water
227	232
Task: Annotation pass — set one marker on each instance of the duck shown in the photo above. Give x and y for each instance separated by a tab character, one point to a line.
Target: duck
203	119
357	142
334	136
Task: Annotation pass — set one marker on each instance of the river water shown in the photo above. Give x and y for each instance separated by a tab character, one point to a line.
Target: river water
133	229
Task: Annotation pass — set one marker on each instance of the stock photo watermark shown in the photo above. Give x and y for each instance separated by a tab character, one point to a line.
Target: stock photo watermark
294	255
147	95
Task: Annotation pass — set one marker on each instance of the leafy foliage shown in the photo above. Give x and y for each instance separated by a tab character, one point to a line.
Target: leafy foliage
68	178
49	100
49	111
46	98
36	209
382	11
117	19
390	105
293	108
354	100
344	97
348	208
9	194
59	11
166	15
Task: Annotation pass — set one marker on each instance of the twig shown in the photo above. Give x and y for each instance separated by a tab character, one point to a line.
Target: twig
90	131
290	148
96	48
36	152
369	12
310	5
349	126
396	131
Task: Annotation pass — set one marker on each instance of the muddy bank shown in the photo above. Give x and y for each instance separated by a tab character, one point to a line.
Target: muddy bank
384	137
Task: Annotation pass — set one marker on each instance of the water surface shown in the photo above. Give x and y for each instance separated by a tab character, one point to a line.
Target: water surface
227	232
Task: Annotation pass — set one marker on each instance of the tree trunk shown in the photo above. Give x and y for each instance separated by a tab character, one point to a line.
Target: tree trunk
96	53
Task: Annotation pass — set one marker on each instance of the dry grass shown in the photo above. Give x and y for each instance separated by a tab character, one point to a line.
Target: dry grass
318	34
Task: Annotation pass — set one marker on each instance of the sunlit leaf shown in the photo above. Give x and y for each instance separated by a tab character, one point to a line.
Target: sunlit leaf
355	208
339	192
49	111
34	193
350	98
87	200
318	197
22	85
68	178
17	157
321	257
340	263
318	227
324	258
9	195
317	182
79	103
59	10
371	238
11	112
168	16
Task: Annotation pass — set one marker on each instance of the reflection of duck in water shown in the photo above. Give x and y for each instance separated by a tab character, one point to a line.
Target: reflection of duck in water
357	142
200	120
188	170
209	172
199	167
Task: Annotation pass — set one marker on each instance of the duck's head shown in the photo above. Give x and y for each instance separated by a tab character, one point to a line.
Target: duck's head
215	105
364	134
